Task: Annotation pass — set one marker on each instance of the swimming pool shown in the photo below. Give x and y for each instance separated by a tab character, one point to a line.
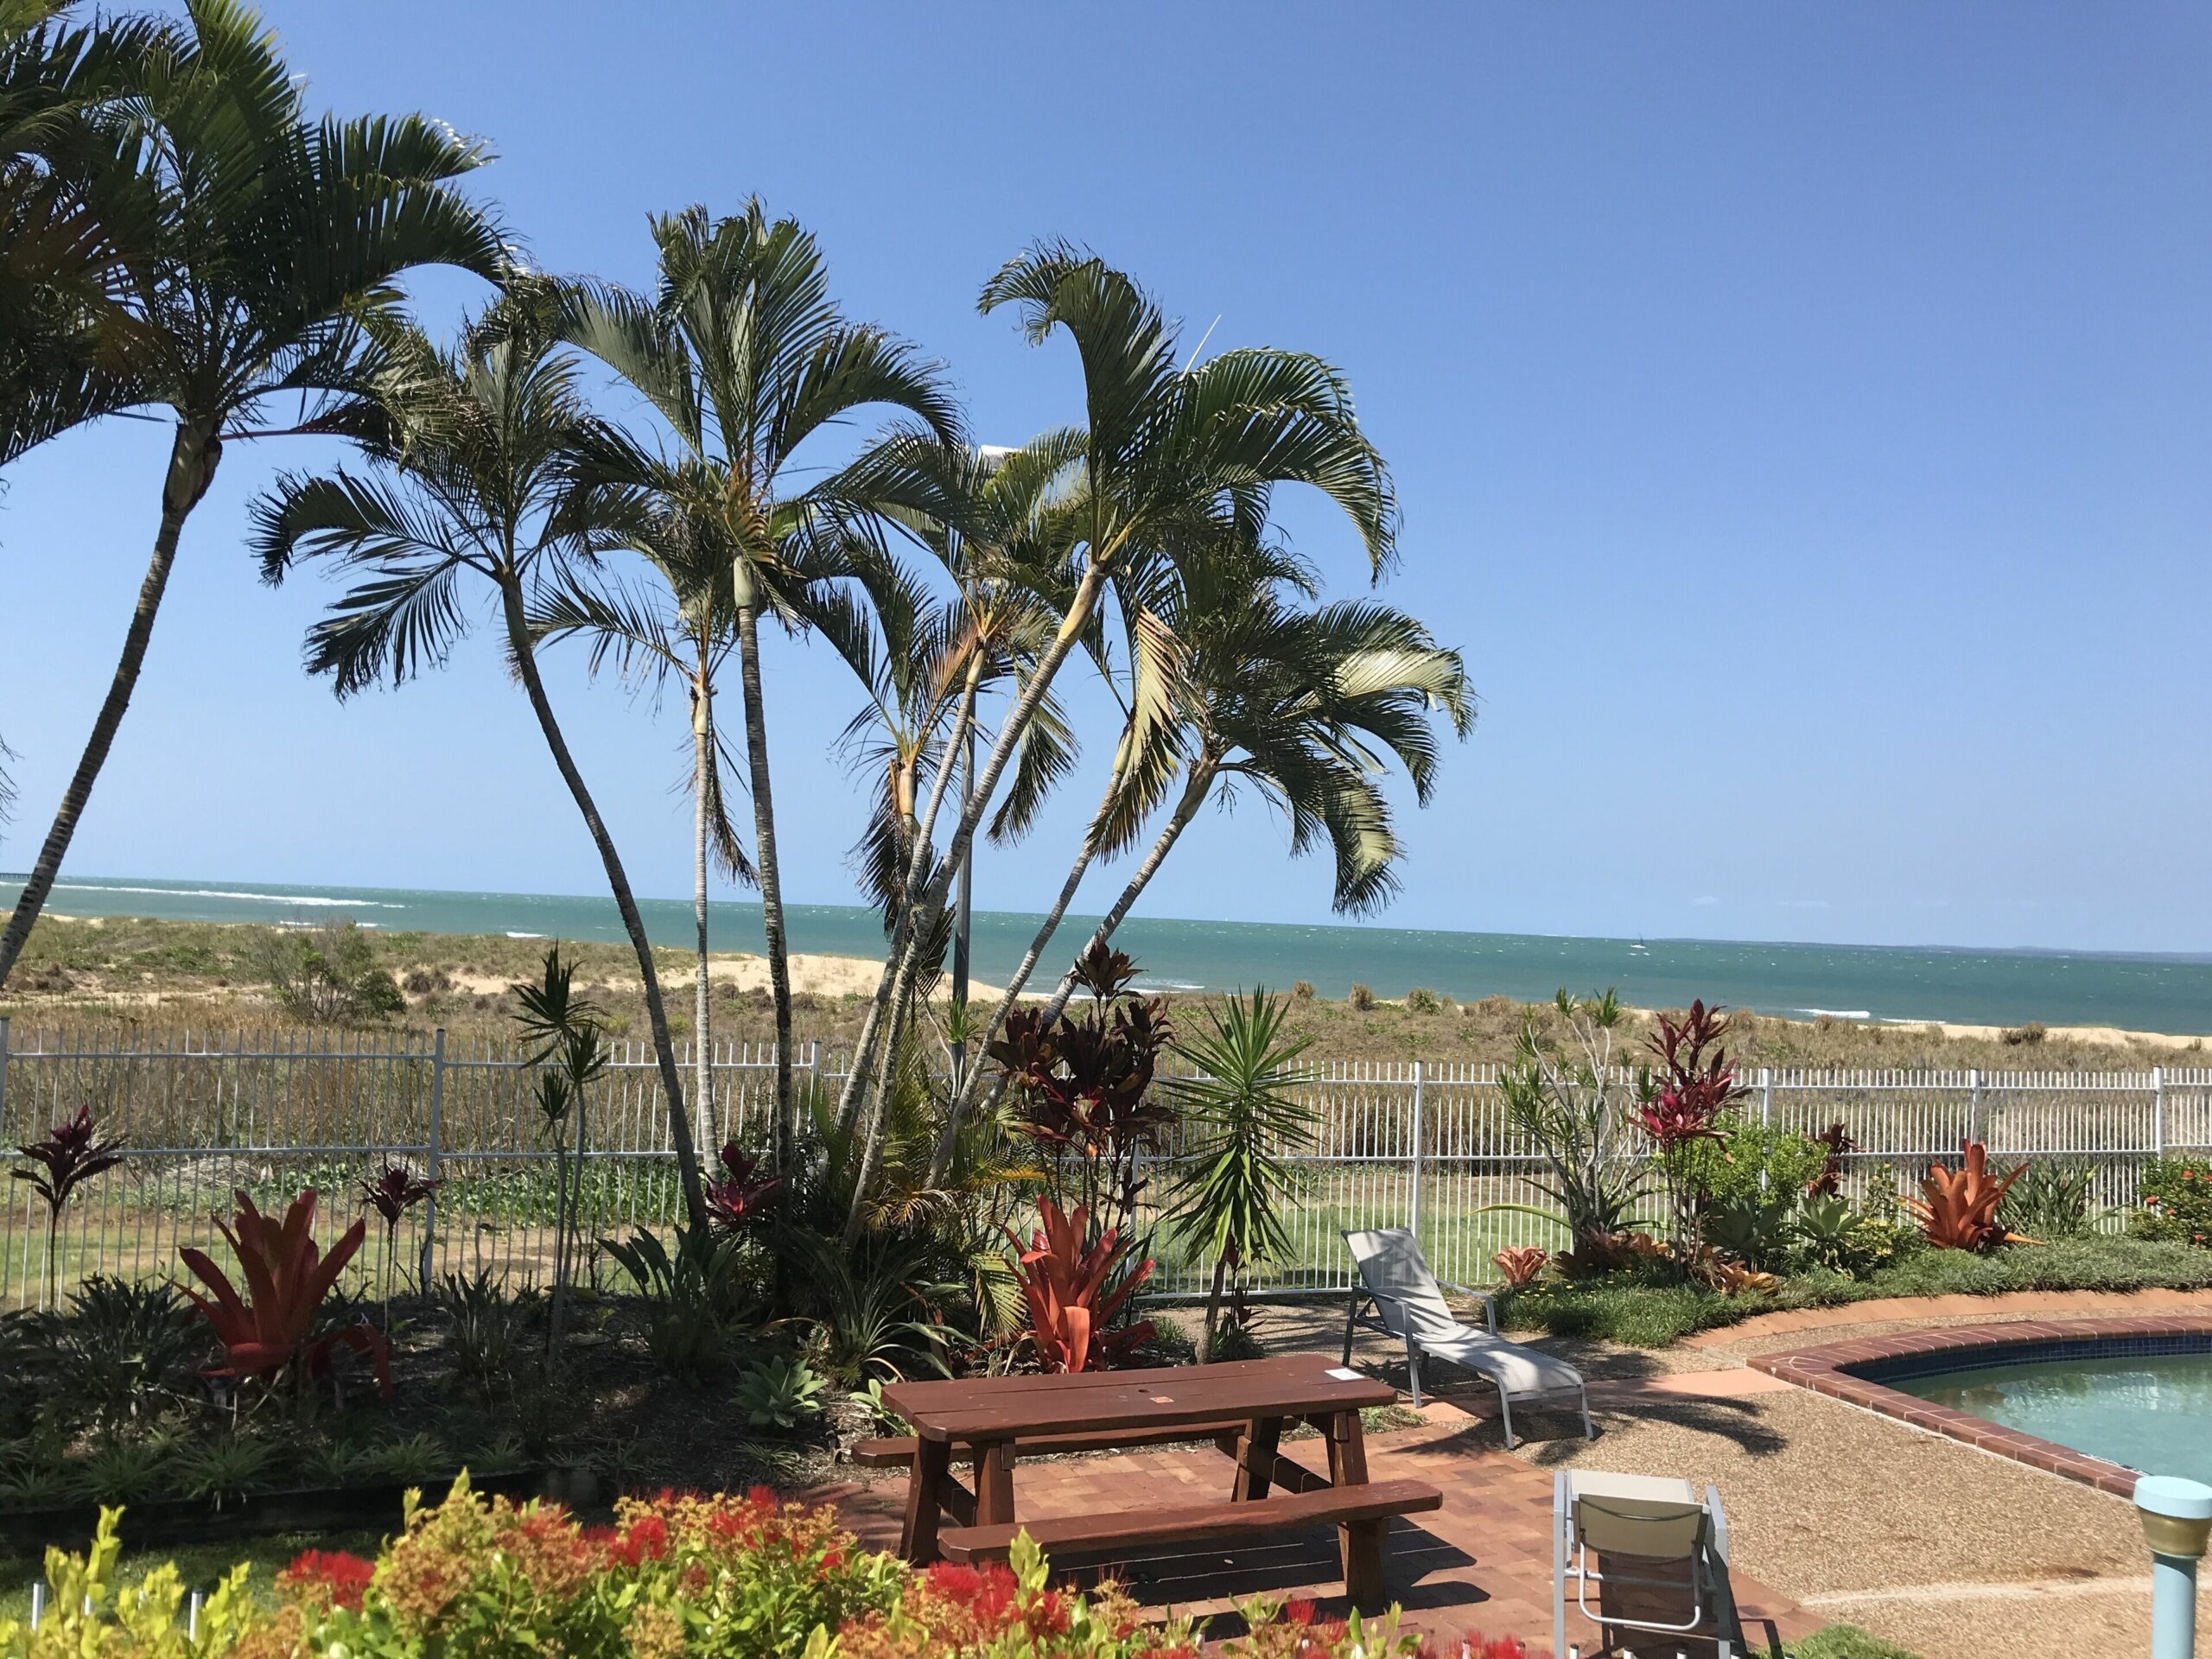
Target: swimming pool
2151	1412
2097	1401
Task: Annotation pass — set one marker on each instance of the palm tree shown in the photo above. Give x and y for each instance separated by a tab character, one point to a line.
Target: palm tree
743	356
269	240
1307	708
1168	463
73	211
681	624
474	447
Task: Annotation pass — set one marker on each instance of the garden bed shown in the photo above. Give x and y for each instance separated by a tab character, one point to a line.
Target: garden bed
1644	1311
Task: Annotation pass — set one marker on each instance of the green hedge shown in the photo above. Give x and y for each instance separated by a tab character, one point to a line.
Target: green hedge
1646	1313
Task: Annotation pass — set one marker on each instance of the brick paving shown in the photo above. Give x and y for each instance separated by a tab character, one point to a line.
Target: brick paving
1482	1562
1828	1369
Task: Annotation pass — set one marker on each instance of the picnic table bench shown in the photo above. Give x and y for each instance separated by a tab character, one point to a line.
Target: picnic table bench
1241	1408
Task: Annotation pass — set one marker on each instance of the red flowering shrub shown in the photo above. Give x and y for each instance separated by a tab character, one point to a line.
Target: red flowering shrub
2176	1194
323	1579
681	1575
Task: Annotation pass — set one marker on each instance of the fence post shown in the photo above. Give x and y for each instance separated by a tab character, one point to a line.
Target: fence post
431	1155
2157	1097
1974	1104
1420	1083
1766	1095
4	1072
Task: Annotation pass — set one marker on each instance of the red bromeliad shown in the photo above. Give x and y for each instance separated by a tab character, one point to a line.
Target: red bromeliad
288	1276
1520	1266
1064	1283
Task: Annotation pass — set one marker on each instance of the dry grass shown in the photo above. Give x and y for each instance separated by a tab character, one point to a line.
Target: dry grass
166	977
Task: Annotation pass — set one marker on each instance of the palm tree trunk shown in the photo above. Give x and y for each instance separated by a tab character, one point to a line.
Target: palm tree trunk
854	1093
702	761
1194	794
772	888
1017	721
971	1085
525	659
194	455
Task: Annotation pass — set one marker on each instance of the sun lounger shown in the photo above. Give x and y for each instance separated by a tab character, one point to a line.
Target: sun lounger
1396	1280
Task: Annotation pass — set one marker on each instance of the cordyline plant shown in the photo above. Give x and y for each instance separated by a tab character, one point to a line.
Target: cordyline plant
391	1193
740	1197
1065	1281
1957	1208
288	1276
1829	1182
1083	1085
72	1154
1681	1104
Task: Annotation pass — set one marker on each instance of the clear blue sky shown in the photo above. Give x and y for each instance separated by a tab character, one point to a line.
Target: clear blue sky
1799	414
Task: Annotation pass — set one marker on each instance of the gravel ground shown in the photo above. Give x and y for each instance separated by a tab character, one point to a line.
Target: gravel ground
1953	1553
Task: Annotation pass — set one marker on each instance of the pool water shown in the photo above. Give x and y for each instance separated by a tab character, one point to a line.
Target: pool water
2151	1413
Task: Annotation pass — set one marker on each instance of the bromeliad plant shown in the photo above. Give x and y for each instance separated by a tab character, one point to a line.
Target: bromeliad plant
1680	1107
1957	1208
275	1336
72	1154
1070	1286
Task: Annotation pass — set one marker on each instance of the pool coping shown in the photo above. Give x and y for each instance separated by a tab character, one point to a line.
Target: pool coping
1826	1369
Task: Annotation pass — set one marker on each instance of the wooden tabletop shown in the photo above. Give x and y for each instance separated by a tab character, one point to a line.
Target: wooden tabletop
998	1407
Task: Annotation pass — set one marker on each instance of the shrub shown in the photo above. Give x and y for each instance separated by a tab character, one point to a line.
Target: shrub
329	975
1361	999
2176	1195
1302	989
2023	1036
1422	1000
735	1577
2049	1198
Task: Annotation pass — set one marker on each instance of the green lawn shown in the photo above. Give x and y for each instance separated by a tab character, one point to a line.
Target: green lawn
1847	1641
202	1565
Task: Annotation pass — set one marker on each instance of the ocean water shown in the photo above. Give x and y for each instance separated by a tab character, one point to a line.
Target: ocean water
2164	993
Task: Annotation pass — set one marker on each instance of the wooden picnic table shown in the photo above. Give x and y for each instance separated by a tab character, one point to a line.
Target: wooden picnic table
1243	1407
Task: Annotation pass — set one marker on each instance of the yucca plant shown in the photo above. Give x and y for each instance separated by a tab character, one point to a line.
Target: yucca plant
568	1044
1245	1123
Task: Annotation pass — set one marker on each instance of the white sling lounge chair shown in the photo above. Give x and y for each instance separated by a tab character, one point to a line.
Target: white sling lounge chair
1662	1554
1396	1280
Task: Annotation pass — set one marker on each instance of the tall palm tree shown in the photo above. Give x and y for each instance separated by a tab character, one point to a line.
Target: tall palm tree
1170	461
1307	709
1304	706
269	240
474	449
743	356
680	623
74	209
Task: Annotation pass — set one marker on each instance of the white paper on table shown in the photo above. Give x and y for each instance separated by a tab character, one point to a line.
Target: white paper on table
1343	1374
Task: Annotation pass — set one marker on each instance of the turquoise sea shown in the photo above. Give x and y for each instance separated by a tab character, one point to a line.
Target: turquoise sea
2159	993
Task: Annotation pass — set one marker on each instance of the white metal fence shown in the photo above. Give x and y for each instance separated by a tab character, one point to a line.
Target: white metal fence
1396	1142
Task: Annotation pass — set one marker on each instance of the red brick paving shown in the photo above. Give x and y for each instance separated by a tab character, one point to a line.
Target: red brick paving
1824	1371
1482	1562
